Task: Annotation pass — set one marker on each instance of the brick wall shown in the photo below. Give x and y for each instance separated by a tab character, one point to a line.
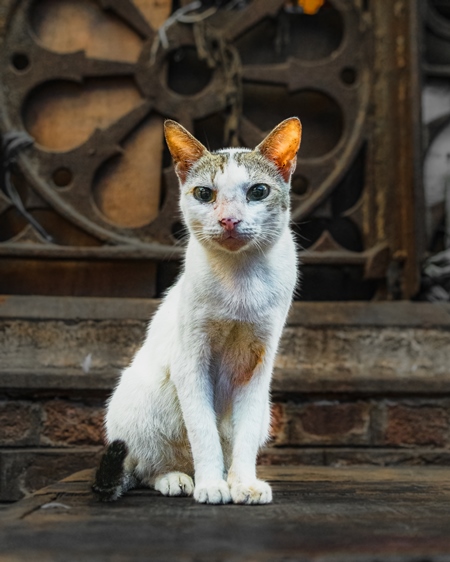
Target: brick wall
44	439
379	431
50	423
366	422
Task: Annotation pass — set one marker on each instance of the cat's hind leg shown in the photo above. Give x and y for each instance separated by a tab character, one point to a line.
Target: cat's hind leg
174	484
113	477
169	468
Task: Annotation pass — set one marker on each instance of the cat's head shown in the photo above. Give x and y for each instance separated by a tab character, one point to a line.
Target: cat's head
236	199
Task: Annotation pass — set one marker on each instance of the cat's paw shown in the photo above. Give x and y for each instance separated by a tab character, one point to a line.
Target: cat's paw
174	484
251	493
216	491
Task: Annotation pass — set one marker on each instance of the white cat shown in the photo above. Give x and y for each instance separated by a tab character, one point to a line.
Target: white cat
194	403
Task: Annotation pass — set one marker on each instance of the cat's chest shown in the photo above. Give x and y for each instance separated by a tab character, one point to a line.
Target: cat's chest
248	298
237	349
223	334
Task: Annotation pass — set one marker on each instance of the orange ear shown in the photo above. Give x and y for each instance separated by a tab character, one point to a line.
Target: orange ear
281	146
184	148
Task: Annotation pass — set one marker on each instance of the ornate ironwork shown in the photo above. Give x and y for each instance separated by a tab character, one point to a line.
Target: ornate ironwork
342	220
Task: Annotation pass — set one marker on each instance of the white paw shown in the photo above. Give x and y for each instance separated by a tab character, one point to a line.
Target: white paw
251	493
174	484
216	491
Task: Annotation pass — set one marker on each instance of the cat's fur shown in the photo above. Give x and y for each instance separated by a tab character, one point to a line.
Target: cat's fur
194	403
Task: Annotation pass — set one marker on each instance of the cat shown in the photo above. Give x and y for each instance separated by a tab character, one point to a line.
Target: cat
194	405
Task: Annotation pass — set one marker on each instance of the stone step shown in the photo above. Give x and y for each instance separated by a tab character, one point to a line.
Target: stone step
365	383
326	348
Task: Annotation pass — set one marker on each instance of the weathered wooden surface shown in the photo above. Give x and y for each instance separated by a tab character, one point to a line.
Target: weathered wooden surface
320	514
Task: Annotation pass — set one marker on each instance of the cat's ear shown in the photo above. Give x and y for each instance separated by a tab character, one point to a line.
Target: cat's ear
184	148
281	146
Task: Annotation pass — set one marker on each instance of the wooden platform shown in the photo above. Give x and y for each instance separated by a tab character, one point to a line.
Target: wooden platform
319	514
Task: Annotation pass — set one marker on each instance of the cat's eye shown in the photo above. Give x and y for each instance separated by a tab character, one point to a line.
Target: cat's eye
204	194
258	192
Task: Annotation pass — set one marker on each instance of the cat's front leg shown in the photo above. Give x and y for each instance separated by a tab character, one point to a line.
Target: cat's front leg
195	394
251	420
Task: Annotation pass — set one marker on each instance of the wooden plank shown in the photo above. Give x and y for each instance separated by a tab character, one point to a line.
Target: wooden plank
318	514
433	475
438	476
76	308
78	277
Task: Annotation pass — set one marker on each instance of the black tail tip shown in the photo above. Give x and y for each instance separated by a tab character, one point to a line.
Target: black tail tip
108	483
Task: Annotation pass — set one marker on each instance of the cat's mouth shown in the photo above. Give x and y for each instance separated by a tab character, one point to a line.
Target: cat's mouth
232	241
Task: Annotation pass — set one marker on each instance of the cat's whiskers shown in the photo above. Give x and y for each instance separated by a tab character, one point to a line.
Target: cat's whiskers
182	236
254	235
259	247
201	235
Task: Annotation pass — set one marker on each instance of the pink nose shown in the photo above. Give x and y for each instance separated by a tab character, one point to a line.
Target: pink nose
229	223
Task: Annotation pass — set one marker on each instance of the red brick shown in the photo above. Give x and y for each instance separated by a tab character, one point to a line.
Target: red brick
330	423
70	423
416	425
19	423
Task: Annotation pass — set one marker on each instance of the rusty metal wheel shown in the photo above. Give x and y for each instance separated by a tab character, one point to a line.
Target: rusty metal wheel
333	89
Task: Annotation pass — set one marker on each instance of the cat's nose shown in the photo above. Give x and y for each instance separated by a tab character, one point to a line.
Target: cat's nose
229	223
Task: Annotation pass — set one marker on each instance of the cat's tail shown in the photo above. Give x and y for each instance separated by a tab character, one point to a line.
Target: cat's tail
111	479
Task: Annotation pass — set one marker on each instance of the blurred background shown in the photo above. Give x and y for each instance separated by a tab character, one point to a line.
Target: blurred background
88	203
91	235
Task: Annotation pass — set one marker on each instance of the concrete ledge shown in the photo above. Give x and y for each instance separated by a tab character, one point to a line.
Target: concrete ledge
56	379
75	308
398	313
285	381
82	344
